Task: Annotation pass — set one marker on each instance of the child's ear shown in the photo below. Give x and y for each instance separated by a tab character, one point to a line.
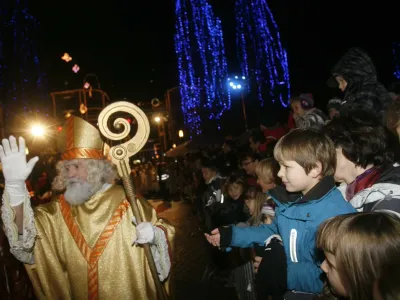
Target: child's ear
316	171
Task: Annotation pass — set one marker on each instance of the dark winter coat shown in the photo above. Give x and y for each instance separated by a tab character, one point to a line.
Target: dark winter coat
363	91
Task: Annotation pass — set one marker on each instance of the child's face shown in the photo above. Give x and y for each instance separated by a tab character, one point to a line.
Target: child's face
330	268
235	191
208	174
265	183
341	82
251	204
249	165
333	113
295	178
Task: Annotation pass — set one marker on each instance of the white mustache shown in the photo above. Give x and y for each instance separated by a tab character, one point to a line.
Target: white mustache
77	192
73	181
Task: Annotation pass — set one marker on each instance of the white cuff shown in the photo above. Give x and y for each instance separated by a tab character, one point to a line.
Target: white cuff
20	246
269	239
160	253
17	192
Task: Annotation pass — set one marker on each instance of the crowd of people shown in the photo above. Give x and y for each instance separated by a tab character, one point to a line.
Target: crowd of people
313	204
306	209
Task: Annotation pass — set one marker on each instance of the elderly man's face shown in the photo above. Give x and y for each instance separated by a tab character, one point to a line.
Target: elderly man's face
76	170
78	190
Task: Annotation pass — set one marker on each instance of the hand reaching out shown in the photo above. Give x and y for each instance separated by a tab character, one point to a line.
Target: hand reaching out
214	238
257	262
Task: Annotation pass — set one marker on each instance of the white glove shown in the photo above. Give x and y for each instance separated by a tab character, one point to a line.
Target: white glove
15	168
144	233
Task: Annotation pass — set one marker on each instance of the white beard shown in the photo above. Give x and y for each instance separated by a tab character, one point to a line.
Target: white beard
78	192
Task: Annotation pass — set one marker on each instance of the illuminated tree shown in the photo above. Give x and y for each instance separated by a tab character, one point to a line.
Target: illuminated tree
262	58
202	63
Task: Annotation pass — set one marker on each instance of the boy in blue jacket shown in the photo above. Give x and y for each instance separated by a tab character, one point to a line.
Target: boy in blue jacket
307	162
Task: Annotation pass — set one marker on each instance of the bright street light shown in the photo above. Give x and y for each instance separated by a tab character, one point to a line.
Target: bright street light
157	119
37	130
237	85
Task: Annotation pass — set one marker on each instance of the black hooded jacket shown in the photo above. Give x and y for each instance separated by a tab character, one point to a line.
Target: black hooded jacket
363	91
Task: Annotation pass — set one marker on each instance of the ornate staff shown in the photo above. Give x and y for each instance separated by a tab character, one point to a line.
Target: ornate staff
120	155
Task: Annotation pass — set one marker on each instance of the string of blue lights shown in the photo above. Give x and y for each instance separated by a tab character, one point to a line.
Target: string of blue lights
21	78
202	63
396	56
258	37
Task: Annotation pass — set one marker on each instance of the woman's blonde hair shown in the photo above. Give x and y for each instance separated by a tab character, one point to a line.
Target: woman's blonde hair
99	173
268	169
256	194
364	246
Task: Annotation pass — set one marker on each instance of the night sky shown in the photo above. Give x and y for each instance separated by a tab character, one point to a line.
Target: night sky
129	44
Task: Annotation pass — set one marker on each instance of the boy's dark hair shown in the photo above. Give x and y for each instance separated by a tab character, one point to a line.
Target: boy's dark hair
307	147
362	138
249	154
208	163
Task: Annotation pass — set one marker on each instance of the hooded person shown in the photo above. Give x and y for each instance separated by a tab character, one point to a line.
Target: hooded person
84	244
355	75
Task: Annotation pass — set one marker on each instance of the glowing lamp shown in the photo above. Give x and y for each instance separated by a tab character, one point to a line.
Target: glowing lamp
82	109
66	57
76	68
37	130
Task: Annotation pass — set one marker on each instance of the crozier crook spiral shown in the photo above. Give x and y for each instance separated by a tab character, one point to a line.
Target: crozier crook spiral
127	148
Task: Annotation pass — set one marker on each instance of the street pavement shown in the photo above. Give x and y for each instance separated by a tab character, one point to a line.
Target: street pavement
190	257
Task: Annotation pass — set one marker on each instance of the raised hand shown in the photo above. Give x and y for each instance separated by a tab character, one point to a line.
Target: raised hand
13	160
15	168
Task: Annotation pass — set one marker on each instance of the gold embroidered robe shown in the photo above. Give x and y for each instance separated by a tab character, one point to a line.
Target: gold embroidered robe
86	252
